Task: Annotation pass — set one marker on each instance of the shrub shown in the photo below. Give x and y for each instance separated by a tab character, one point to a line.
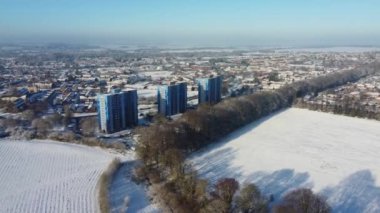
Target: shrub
68	136
117	145
91	141
21	133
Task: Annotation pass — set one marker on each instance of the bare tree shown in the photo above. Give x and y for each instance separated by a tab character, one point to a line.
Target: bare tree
28	115
68	136
9	123
42	126
216	206
8	106
302	201
39	107
55	119
250	200
226	188
68	115
88	126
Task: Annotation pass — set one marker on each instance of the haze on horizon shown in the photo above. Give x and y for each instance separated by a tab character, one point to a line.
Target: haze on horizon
192	22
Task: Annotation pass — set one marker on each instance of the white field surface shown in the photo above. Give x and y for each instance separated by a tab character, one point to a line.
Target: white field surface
123	187
157	75
150	91
47	176
336	156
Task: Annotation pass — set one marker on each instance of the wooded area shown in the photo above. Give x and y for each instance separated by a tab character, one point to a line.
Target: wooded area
163	146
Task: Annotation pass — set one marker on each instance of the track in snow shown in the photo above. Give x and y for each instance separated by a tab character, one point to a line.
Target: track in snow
46	176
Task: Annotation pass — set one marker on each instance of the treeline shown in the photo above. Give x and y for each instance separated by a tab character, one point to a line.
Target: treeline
348	107
164	145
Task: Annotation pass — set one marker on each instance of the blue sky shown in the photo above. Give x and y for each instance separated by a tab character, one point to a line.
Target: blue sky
251	22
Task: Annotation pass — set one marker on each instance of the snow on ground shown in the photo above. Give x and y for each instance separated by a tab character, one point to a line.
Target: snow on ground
149	92
47	176
200	50
332	49
336	156
144	90
157	75
123	187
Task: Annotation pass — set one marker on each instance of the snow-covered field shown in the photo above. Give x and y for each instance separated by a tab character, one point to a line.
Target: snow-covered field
47	176
336	156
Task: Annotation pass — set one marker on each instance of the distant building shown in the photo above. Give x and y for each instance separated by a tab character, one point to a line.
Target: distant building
117	111
19	103
50	96
209	90
38	96
172	99
23	91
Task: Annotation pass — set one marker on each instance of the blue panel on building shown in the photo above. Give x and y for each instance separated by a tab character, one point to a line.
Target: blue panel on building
172	99
117	111
209	90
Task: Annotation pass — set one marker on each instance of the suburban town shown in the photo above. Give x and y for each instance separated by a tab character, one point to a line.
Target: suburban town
115	99
72	83
161	106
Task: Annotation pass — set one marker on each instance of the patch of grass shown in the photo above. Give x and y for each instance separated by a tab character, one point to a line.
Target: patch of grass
103	184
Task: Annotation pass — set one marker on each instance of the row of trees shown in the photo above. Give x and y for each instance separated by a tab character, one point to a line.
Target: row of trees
347	106
163	146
